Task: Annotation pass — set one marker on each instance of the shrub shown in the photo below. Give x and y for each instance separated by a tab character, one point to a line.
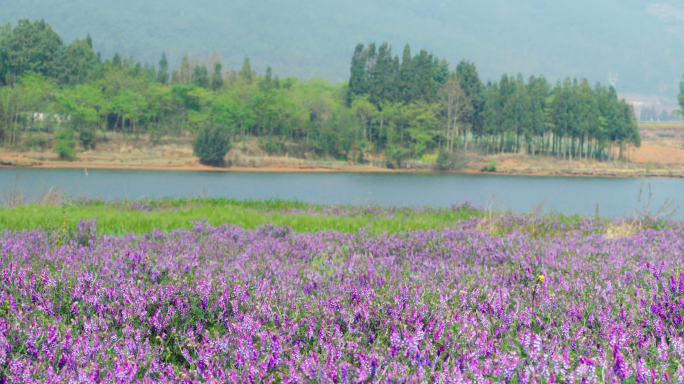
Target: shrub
395	156
491	166
429	158
443	160
65	144
211	145
87	139
271	147
36	143
156	133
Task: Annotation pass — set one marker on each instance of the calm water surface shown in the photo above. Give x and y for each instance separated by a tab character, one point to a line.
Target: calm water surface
615	197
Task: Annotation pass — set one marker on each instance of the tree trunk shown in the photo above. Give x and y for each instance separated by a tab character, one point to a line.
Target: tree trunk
465	145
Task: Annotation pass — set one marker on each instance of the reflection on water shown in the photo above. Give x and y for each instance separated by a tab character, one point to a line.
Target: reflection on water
571	195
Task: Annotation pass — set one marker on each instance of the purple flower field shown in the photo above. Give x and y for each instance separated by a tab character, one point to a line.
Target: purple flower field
534	301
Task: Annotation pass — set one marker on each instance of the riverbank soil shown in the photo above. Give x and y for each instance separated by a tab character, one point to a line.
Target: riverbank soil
661	155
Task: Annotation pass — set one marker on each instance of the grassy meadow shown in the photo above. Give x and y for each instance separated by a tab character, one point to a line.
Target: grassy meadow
140	217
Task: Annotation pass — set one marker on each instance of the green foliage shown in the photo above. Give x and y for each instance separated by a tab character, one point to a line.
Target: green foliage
399	108
382	77
491	166
217	77
65	145
469	80
200	76
443	159
168	215
30	46
395	156
246	74
87	139
569	120
77	63
211	145
36	143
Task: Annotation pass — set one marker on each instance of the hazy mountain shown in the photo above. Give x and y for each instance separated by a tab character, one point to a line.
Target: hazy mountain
640	41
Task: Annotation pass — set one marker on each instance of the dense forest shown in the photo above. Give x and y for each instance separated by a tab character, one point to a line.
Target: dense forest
636	40
391	107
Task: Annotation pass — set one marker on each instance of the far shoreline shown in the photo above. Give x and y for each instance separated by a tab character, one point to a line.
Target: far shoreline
361	169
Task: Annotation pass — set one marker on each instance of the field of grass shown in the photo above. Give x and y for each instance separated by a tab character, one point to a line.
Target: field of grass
142	217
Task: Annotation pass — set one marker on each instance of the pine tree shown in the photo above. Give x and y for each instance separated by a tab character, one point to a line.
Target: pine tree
266	84
491	114
423	78
116	60
383	77
474	89
357	80
440	71
217	77
200	76
163	73
246	73
185	73
406	85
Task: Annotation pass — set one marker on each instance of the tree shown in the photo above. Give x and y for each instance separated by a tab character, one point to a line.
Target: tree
538	90
405	81
77	63
357	81
129	105
200	76
422	127
65	144
211	145
246	73
31	92
426	72
30	46
217	76
471	84
87	139
382	75
365	112
185	72
163	73
457	108
266	83
116	60
85	105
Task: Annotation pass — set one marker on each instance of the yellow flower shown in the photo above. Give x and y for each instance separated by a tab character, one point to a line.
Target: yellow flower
541	278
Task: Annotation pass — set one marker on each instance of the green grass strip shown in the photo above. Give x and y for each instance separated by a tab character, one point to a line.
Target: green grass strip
181	214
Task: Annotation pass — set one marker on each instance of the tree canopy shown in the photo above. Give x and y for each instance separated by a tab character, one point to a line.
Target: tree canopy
392	109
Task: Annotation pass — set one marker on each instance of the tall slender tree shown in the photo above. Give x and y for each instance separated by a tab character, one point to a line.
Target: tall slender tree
163	72
469	80
357	80
457	108
217	76
246	73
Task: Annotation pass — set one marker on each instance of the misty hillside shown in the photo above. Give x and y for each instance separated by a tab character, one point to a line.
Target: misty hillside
640	41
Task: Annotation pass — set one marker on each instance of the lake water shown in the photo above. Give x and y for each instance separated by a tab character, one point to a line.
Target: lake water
616	197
